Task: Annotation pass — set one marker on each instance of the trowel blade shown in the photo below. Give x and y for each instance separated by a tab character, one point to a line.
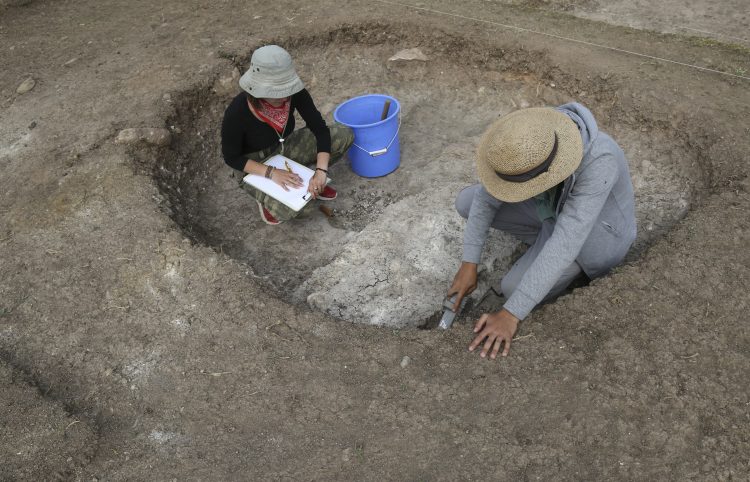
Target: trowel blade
447	320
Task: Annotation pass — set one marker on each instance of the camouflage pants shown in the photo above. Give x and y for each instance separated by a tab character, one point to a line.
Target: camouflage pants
302	147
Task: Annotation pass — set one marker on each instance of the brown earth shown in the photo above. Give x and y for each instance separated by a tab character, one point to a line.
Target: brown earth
178	363
41	440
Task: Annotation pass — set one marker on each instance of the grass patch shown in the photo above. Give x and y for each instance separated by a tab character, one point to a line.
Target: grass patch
713	43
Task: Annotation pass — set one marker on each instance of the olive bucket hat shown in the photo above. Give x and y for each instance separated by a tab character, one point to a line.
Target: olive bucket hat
271	74
527	152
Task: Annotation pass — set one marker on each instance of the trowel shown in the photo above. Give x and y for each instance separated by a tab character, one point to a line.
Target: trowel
449	315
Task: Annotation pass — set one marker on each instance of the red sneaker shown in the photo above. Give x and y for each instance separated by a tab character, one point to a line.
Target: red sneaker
328	194
266	216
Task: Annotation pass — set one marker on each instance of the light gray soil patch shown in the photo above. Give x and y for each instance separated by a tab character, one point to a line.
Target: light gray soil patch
728	21
388	255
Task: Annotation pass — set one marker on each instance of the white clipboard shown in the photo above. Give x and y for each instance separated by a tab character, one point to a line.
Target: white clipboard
294	198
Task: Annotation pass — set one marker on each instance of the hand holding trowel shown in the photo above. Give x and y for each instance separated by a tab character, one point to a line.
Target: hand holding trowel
464	283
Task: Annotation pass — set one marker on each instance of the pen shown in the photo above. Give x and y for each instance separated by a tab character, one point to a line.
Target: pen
288	167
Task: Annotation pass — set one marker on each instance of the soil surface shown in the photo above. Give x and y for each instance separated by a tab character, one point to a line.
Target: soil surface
148	332
728	21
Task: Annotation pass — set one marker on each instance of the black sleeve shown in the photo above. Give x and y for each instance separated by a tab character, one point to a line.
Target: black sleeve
231	139
310	114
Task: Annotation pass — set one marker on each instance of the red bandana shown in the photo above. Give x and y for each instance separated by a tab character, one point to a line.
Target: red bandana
275	117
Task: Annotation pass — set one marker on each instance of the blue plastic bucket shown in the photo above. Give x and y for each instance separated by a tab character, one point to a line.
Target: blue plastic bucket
376	151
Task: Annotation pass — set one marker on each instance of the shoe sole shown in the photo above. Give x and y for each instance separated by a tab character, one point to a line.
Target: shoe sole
263	216
323	198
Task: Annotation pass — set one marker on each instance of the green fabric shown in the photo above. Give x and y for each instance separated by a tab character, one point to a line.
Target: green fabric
300	146
545	203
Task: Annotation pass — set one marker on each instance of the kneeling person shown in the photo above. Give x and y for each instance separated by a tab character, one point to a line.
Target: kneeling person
552	179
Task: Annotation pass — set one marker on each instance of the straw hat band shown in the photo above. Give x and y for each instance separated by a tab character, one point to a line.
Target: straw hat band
543	167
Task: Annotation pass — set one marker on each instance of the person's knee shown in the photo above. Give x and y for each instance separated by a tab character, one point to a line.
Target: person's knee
509	284
342	138
461	208
348	137
463	202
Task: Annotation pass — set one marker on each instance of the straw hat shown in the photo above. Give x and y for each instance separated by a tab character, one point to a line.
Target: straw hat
271	74
527	152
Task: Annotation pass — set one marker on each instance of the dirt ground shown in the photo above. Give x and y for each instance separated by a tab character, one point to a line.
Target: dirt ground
145	336
727	21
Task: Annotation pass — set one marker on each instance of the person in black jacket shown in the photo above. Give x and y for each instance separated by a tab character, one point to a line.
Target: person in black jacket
259	123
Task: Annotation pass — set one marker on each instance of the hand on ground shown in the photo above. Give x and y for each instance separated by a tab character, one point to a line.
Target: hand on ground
494	329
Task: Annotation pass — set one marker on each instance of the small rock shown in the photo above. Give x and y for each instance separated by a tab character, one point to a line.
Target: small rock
409	54
26	86
327	108
71	61
32	125
228	83
313	80
405	361
149	135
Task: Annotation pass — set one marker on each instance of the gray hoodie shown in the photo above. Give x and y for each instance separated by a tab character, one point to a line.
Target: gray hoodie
595	223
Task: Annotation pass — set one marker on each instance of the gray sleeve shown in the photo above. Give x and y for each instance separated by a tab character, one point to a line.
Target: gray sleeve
481	214
580	213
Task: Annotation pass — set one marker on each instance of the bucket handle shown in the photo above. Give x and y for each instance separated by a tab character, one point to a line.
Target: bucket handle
380	152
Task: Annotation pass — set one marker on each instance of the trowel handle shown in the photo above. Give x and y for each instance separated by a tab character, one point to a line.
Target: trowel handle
450	301
386	108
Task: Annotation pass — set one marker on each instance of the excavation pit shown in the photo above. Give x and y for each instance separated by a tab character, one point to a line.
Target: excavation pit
392	248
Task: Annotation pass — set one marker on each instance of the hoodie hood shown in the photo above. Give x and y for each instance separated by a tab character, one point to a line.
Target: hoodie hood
585	121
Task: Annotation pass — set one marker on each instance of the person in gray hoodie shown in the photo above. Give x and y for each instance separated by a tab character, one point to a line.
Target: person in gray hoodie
551	178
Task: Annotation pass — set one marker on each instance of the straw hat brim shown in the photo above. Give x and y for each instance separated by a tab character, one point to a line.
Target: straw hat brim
566	160
262	86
